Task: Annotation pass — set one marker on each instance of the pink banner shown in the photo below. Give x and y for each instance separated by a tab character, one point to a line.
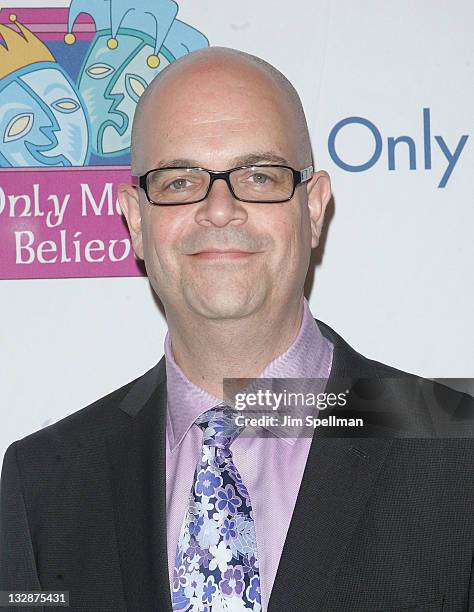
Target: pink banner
50	23
64	223
70	80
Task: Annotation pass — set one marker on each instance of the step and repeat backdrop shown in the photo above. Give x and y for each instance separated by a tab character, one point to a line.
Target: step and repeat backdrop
388	92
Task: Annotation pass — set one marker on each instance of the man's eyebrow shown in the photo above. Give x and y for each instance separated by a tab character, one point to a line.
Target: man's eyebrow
249	159
176	163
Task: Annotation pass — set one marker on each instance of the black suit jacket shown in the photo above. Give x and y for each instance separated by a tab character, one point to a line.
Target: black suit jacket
381	523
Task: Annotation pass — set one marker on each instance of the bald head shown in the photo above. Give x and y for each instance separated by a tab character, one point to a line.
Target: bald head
193	76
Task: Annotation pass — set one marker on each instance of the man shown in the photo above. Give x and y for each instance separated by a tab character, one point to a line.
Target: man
152	498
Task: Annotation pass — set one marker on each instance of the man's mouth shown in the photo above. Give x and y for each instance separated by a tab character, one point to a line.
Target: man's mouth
212	253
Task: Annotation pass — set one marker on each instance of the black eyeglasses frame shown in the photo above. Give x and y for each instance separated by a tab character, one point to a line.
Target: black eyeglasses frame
299	177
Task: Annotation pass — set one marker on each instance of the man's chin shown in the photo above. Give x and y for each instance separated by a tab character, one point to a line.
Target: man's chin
224	305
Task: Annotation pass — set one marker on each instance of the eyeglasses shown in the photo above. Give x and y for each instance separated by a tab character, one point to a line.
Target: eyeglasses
262	184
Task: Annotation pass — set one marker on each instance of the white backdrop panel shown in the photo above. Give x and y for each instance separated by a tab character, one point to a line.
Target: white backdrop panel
396	273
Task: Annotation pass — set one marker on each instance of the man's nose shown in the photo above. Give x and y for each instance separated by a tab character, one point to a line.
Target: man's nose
220	207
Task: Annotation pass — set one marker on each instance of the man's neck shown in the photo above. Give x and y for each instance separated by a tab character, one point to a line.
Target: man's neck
208	351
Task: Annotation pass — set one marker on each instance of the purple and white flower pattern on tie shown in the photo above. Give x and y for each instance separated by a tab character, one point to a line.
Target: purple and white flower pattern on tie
216	566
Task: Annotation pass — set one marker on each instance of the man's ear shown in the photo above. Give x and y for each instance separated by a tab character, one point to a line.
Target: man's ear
319	194
128	197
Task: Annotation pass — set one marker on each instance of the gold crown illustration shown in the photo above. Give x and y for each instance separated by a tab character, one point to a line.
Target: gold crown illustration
21	48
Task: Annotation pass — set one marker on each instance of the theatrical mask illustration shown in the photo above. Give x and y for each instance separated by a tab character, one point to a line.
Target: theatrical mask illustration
43	121
51	117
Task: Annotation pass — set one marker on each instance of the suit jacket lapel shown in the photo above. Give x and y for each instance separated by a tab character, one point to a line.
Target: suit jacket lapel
337	481
137	459
336	484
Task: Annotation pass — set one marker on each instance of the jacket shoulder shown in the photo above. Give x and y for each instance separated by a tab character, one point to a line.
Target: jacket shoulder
89	424
450	410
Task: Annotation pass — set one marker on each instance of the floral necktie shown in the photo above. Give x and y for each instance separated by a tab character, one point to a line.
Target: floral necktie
216	566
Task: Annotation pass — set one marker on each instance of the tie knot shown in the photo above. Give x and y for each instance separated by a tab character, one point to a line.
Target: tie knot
219	426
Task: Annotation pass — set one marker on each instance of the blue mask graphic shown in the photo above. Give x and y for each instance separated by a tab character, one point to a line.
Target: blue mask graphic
111	82
42	119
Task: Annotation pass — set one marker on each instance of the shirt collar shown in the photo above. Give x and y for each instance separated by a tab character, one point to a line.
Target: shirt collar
309	356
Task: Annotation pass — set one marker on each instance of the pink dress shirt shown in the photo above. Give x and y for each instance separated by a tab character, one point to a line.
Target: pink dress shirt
271	467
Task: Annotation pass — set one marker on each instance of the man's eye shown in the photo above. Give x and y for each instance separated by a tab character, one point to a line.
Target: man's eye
260	179
179	184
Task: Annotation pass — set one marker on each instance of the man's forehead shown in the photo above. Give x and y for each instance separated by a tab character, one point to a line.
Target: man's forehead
218	145
221	150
